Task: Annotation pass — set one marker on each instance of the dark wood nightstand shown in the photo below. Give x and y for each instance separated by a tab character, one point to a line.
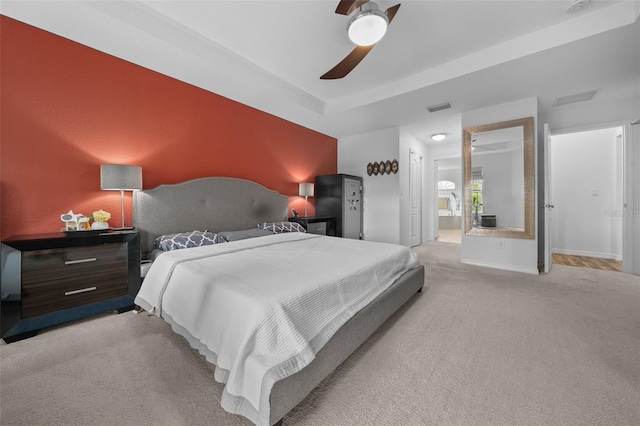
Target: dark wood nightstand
64	277
322	225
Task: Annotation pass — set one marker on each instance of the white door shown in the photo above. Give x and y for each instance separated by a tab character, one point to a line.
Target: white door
547	207
415	189
435	211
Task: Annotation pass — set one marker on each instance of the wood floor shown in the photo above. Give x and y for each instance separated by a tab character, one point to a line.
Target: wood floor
455	236
587	262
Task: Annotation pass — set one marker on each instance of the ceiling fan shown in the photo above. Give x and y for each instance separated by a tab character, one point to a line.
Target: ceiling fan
370	21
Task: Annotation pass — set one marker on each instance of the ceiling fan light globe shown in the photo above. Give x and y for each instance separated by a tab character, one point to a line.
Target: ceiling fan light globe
367	27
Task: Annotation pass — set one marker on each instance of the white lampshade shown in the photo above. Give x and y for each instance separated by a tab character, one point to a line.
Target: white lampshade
306	189
368	26
119	177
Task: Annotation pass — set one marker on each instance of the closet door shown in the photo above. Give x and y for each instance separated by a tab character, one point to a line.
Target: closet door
415	186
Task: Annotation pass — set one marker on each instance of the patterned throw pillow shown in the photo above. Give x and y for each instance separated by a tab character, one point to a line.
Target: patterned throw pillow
187	239
281	227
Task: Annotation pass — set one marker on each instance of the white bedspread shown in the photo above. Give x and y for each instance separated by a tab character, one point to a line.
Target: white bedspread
260	309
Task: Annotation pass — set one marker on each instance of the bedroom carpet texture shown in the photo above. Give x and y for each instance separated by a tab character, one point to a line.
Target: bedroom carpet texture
477	347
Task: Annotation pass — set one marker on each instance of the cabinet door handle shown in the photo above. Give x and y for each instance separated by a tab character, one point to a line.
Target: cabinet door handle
82	290
73	262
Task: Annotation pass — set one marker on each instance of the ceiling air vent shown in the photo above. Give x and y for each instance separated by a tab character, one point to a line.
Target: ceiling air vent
439	107
571	99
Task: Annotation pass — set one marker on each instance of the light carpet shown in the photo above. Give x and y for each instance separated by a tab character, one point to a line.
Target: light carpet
476	347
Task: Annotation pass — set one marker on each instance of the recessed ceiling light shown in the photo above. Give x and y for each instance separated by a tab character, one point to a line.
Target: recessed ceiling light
438	137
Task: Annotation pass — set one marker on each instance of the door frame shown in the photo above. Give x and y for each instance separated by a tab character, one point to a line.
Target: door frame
631	221
547	206
631	199
434	194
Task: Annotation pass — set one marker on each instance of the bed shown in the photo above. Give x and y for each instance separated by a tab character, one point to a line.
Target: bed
265	307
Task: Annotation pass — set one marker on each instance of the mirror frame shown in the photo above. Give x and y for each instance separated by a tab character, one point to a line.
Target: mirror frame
529	180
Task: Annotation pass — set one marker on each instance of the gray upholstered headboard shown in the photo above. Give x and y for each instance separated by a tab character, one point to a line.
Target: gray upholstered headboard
215	204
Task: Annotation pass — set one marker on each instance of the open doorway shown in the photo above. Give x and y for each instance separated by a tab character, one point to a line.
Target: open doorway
449	189
587	192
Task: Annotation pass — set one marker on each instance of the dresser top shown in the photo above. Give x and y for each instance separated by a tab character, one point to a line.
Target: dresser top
68	239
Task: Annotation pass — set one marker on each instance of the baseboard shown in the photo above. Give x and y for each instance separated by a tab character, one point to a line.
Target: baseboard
611	256
532	271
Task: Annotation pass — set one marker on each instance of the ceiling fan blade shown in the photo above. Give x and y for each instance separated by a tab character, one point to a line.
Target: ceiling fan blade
345	7
353	59
391	12
347	64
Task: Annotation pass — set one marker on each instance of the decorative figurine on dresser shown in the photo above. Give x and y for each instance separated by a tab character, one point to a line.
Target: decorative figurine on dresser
51	279
340	196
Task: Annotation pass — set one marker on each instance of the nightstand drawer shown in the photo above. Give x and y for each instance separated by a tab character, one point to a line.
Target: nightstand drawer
317	228
43	298
72	262
64	278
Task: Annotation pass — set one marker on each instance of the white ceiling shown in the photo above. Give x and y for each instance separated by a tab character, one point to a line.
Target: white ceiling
270	54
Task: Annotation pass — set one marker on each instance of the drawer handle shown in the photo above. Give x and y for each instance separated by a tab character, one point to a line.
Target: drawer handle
73	262
82	290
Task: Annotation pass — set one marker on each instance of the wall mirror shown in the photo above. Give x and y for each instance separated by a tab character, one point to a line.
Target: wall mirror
499	179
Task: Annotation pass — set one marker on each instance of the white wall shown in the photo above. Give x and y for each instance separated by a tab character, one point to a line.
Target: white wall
381	193
592	115
584	190
452	175
518	254
386	198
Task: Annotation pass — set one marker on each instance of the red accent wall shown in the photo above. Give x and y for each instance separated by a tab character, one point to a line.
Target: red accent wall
66	108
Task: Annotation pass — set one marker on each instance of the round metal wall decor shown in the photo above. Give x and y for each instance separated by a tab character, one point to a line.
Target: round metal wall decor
382	168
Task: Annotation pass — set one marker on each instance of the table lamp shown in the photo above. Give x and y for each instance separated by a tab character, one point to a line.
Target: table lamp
118	177
306	191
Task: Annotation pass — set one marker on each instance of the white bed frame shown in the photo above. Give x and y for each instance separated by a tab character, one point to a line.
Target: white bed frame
227	204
